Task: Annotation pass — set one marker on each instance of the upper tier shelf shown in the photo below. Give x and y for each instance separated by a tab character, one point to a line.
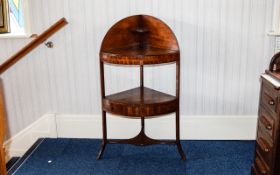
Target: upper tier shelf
138	56
139	40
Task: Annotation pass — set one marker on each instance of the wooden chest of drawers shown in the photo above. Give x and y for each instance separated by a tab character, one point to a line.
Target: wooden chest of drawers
267	154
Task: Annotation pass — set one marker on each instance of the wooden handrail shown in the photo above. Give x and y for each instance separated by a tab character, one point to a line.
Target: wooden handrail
6	65
33	44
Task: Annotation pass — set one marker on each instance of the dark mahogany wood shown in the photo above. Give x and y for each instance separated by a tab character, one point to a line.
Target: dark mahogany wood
138	56
140	40
140	102
267	154
140	31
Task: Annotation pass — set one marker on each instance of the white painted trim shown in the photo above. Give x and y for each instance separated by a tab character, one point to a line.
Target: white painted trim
21	142
89	126
273	33
192	127
14	36
27	17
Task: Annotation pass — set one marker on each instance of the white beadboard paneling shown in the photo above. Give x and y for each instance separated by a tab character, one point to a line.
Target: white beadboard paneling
224	48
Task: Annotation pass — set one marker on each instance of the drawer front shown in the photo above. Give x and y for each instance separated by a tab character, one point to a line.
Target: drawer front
260	166
264	150
269	98
254	170
267	123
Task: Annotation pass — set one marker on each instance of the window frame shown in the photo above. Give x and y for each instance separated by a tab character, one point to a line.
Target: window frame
5	17
27	25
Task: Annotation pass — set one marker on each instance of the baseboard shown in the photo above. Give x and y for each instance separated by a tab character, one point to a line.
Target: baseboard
192	127
89	126
17	145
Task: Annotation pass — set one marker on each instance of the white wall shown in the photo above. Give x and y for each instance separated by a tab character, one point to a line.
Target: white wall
223	43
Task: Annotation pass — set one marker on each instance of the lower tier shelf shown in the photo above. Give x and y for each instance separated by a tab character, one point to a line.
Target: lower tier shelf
140	102
141	140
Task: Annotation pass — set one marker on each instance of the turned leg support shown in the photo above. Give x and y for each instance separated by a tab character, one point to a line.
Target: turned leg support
101	150
104	131
181	151
178	143
141	139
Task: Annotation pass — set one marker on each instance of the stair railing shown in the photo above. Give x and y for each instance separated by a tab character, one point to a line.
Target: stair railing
5	66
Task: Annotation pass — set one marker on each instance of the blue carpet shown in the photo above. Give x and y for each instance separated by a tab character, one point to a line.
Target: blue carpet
77	157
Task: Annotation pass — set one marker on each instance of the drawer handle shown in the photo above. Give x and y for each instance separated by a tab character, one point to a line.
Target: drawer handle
271	102
269	127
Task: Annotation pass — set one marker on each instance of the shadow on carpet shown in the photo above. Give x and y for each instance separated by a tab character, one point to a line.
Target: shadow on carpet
77	157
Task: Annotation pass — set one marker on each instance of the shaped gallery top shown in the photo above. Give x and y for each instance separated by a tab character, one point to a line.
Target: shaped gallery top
138	40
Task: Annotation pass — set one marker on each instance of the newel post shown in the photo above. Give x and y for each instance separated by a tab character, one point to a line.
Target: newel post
3	170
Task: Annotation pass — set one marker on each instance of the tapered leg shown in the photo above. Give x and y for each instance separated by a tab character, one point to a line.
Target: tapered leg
104	140
181	151
178	143
101	150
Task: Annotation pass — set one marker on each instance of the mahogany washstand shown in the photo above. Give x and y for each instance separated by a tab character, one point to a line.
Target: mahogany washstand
140	40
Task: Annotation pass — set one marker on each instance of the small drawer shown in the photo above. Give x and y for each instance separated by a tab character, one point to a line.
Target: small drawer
267	122
265	150
269	98
261	167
